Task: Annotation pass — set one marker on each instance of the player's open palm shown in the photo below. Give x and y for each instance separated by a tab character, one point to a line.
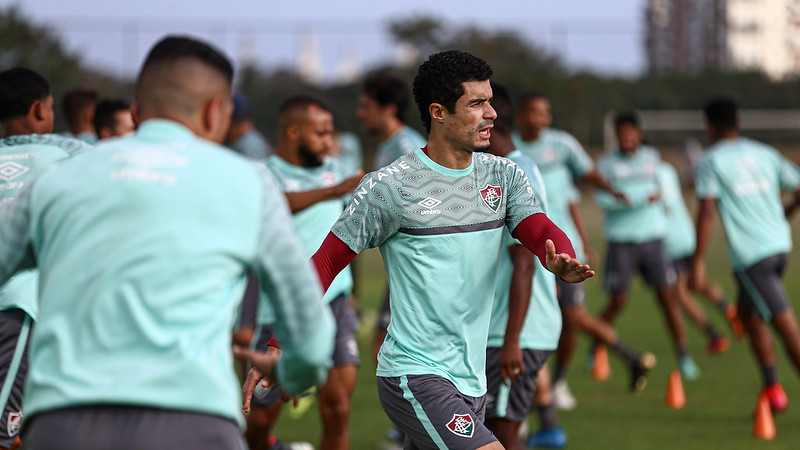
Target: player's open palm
566	267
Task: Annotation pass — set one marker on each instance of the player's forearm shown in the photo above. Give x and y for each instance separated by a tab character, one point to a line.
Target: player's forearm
598	180
535	230
519	294
703	226
299	201
331	258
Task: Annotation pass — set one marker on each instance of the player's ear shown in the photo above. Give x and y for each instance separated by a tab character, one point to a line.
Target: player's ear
216	118
37	111
136	113
437	112
293	132
391	110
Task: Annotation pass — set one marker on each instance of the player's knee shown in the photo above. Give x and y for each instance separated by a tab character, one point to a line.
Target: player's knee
336	410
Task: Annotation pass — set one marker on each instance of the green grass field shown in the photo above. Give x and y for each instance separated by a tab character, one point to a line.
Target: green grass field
719	404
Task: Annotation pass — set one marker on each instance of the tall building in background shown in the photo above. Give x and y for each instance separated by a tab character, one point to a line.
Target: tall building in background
685	36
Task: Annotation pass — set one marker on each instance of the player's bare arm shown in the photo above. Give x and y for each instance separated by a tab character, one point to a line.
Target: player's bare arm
299	201
705	220
511	362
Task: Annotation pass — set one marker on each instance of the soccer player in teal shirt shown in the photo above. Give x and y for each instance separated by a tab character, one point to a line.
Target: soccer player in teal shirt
438	216
635	228
142	246
382	109
562	159
743	179
26	114
315	185
243	136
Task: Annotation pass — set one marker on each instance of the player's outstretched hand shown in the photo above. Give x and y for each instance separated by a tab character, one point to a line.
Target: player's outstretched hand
566	267
350	184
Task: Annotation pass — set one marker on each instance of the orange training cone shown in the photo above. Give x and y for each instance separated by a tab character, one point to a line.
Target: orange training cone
601	369
764	426
675	398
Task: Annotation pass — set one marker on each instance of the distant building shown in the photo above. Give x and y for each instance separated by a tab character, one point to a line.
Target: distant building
685	36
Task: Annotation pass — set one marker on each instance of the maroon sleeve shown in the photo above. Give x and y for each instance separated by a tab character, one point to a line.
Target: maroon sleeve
331	258
535	230
273	342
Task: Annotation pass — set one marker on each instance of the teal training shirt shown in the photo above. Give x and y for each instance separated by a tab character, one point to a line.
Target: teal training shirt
746	177
84	136
143	245
406	140
680	239
22	157
312	224
636	176
440	233
561	159
350	156
253	145
542	327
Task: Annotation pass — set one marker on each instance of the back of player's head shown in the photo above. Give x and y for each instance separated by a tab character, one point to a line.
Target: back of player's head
524	99
722	113
440	78
387	87
76	101
179	75
626	118
296	106
501	102
20	88
105	113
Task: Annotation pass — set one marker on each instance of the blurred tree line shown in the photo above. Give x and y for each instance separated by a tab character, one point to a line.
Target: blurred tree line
580	98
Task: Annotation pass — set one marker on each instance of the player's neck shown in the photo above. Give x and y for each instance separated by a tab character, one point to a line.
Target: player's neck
445	154
392	127
18	127
727	136
530	134
291	156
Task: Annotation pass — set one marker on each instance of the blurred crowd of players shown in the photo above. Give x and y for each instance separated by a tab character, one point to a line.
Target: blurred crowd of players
527	315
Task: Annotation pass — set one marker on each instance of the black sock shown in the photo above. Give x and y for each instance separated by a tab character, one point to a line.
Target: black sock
547	417
711	331
770	374
626	352
559	372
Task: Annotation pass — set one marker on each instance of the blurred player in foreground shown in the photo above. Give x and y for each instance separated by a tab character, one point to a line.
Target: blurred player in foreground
743	179
136	246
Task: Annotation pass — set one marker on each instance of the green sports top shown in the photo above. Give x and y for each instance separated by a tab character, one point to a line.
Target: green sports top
143	245
440	232
746	177
406	140
680	239
542	327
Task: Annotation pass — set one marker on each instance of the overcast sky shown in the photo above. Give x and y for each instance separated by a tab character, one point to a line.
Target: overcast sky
115	35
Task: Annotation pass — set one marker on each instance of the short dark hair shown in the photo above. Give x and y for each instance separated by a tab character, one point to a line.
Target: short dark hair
20	88
626	118
104	113
529	96
722	113
174	47
76	100
501	102
387	87
440	78
298	102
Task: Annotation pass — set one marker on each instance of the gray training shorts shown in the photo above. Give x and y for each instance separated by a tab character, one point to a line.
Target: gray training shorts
433	414
15	328
512	401
649	258
761	288
116	427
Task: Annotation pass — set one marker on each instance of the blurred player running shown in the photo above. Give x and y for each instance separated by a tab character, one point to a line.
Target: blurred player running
743	179
26	113
142	264
526	321
438	216
635	228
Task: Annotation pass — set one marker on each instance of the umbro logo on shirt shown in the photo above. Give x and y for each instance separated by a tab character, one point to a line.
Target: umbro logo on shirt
429	203
10	170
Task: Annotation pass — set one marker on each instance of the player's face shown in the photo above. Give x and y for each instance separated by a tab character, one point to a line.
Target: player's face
469	125
629	137
370	113
535	114
316	136
123	123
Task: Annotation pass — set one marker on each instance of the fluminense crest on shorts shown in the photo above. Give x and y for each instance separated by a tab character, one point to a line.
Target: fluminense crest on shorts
461	425
492	197
14	423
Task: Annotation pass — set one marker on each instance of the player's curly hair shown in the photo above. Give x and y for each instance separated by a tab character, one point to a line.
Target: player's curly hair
439	80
